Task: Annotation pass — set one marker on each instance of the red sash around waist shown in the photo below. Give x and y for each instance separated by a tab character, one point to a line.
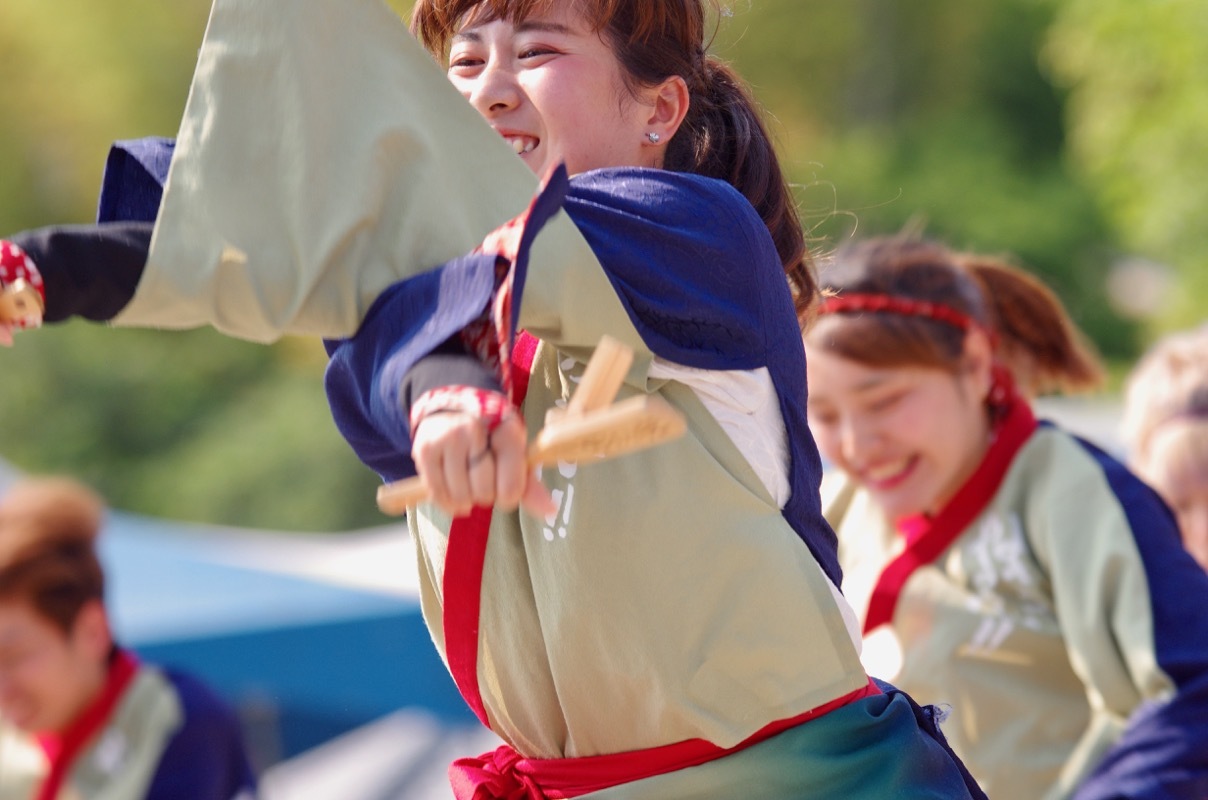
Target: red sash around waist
503	774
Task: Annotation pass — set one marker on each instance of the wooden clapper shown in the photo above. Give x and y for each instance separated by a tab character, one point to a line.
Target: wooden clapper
591	427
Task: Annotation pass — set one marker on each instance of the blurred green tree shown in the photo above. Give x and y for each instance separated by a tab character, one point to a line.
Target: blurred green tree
190	425
1137	75
936	114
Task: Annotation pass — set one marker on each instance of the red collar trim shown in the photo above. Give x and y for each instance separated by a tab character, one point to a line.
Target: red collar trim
928	537
62	748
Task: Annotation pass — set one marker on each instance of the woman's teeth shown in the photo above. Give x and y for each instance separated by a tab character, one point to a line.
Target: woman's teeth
884	472
523	144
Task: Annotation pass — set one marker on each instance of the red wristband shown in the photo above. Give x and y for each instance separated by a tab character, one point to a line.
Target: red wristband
23	295
482	403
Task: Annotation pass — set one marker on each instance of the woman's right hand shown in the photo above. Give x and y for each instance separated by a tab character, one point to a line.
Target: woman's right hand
469	459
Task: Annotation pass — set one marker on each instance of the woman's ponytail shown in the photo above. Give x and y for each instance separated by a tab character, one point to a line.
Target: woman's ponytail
1040	344
723	136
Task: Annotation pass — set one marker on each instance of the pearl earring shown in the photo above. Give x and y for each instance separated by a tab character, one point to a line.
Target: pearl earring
654	137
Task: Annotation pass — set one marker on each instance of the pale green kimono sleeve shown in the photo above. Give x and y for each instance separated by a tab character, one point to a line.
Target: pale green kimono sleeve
1082	537
322	157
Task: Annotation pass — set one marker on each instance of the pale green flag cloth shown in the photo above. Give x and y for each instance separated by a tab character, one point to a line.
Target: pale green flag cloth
323	155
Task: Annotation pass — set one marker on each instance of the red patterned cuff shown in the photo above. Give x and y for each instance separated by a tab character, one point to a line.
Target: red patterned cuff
22	296
483	403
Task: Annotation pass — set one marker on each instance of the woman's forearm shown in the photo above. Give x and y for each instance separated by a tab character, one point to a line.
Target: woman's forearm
88	271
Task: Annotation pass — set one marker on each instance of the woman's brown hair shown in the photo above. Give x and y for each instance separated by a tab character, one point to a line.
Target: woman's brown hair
723	135
48	560
1039	342
1036	338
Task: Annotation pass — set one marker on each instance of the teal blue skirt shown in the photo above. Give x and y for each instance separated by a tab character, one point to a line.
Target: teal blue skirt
883	747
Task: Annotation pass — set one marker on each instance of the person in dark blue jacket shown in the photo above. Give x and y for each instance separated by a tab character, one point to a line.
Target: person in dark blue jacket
80	716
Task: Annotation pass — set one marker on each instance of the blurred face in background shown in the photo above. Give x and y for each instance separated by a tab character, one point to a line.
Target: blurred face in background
910	435
1176	464
47	677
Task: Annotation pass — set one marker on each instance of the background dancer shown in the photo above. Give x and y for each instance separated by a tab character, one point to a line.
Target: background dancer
1166	429
86	718
1000	566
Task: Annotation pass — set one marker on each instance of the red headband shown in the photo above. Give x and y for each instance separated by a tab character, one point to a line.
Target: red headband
899	305
1002	393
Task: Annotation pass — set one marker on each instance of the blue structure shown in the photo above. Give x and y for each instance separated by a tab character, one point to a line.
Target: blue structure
304	657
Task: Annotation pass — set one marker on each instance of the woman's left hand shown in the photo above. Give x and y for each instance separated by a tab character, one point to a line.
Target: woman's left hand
22	298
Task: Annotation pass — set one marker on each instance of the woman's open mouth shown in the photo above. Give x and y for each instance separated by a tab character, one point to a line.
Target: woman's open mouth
890	474
522	144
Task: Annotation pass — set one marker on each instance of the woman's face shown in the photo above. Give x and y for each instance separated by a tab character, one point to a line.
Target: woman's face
910	435
1177	466
47	676
554	90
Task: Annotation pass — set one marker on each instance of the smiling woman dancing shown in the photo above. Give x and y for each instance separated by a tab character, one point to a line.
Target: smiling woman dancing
667	625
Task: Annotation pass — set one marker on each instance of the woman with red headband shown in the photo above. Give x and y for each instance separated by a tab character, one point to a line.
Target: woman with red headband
999	565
